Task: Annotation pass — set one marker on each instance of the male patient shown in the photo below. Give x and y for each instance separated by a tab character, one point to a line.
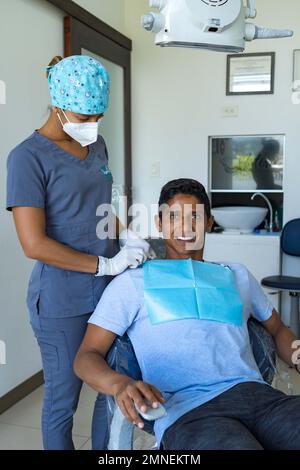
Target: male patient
201	368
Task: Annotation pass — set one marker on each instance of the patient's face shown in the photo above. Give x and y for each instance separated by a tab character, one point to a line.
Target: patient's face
183	225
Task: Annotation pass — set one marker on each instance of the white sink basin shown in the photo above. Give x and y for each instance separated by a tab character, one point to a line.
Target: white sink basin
239	219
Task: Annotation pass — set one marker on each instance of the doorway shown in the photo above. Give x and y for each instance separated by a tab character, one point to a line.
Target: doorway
81	39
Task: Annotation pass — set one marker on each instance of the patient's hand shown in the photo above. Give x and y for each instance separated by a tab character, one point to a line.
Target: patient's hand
131	393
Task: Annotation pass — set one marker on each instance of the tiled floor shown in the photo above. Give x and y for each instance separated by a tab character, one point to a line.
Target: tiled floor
20	425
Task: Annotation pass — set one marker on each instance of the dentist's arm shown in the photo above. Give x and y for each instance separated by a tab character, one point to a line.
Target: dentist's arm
30	224
91	367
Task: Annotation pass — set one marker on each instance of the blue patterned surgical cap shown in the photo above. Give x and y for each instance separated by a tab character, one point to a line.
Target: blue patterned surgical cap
79	84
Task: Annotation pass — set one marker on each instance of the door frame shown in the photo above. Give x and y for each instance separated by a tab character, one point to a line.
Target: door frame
75	11
84	30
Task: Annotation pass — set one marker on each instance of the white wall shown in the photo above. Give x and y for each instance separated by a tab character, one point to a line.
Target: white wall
31	33
111	12
178	96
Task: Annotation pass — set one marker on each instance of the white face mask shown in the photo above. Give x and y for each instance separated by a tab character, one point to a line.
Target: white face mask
85	133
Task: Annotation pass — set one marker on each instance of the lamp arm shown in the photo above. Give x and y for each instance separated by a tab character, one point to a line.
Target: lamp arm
251	11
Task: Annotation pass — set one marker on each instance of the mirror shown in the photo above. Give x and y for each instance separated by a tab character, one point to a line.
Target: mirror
247	163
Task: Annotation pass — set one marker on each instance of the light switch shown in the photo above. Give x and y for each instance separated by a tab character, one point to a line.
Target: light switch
155	169
230	111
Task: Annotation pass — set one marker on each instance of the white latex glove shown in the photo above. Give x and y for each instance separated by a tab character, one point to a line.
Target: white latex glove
130	239
126	258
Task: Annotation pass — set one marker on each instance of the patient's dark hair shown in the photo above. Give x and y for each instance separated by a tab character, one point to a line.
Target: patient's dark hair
185	186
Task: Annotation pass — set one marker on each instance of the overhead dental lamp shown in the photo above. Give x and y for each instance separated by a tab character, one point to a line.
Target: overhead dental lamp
218	25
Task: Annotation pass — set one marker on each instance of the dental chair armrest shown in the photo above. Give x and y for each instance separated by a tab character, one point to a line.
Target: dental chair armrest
264	349
122	359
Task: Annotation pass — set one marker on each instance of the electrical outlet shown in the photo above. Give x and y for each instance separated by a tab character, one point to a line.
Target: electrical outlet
155	169
230	111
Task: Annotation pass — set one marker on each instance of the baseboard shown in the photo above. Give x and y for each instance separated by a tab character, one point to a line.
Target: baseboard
21	391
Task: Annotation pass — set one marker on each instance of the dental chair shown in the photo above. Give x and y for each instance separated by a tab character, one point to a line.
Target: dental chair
290	245
122	359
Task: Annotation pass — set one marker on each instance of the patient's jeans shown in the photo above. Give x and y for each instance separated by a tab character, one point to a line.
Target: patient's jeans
249	416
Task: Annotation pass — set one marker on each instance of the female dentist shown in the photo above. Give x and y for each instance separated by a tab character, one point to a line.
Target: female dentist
57	178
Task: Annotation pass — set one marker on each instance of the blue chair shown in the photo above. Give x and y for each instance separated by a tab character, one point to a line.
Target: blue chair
122	359
290	245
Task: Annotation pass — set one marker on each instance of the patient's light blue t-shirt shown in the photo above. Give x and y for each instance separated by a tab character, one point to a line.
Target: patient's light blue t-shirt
189	361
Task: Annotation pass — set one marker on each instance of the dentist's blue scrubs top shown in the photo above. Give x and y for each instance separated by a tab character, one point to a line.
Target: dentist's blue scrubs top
43	175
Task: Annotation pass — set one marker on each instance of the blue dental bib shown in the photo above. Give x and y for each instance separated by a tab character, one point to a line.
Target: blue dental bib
187	289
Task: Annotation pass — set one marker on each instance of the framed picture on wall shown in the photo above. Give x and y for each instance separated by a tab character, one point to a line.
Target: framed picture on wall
250	74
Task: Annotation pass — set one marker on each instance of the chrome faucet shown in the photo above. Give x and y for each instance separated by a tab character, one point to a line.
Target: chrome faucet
270	208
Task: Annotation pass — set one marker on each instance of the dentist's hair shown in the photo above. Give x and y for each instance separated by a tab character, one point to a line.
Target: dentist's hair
185	186
53	62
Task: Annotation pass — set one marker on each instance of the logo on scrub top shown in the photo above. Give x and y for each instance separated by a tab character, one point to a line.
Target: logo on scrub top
107	173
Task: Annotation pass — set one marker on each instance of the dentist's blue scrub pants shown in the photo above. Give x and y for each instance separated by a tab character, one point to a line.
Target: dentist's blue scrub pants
60	302
59	341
